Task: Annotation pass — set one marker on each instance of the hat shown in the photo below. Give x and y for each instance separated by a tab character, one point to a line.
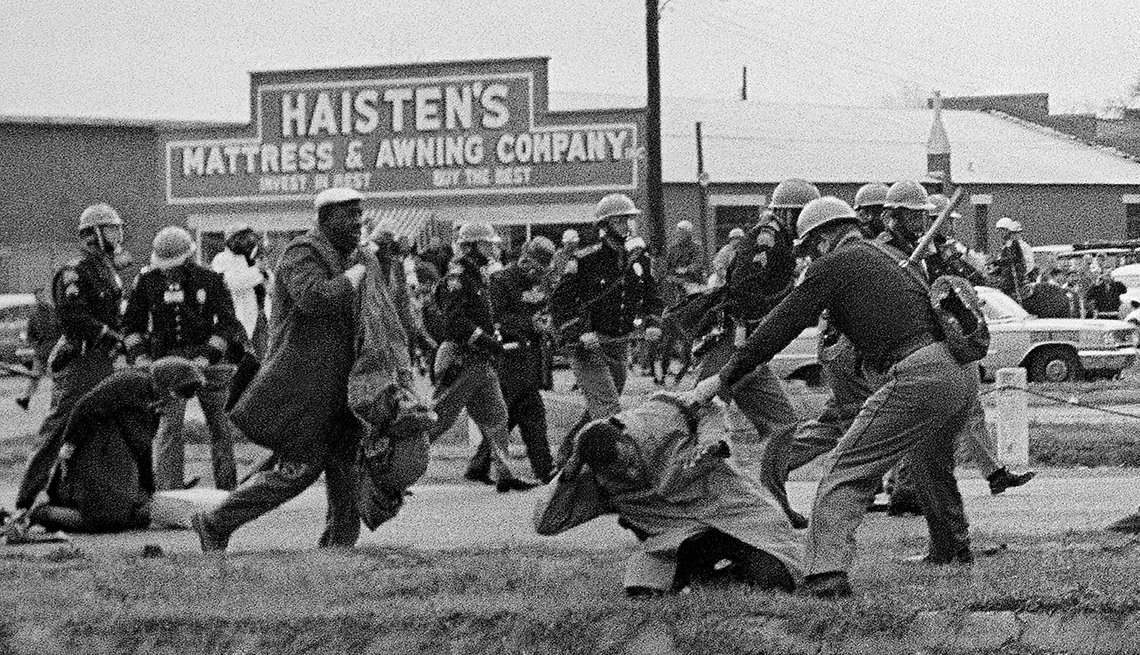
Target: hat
736	233
1007	223
172	246
336	196
635	242
176	374
569	236
685	225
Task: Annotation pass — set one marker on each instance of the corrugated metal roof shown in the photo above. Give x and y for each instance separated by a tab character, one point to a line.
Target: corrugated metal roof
747	141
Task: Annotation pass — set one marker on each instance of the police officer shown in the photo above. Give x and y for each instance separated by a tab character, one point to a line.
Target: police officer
909	213
762	272
599	296
921	407
464	365
179	308
868	206
519	301
87	292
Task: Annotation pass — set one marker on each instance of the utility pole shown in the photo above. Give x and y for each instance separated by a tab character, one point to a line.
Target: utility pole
654	201
708	232
744	84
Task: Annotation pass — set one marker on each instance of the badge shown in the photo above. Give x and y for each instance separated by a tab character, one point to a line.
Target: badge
201	296
69	276
637	269
572	267
71	290
173	296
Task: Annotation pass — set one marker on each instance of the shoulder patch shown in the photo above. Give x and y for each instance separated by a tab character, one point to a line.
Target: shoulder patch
71	290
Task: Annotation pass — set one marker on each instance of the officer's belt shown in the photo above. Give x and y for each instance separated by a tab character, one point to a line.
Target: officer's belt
893	356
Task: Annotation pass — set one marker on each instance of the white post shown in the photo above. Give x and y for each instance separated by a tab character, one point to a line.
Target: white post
1012	417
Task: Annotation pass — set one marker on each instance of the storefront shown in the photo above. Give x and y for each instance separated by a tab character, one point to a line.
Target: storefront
430	146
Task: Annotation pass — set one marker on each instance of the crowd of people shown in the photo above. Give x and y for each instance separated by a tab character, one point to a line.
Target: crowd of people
314	358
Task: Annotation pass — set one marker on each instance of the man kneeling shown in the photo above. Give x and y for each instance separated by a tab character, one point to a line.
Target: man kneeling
697	515
103	480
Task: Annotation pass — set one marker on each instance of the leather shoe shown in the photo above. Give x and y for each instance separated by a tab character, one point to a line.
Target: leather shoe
208	539
476	476
1129	524
827	585
514	484
1002	479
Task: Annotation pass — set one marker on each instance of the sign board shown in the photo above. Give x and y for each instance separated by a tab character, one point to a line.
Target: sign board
457	130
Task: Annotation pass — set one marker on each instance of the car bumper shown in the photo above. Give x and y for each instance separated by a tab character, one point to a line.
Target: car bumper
1099	360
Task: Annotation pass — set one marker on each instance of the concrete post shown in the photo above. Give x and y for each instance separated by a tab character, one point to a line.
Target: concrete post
1012	418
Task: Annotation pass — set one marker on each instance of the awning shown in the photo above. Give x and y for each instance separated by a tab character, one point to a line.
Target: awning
535	214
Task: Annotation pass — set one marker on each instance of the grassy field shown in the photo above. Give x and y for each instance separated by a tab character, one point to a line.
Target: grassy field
532	600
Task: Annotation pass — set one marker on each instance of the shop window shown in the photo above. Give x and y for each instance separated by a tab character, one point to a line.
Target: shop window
731	216
1132	221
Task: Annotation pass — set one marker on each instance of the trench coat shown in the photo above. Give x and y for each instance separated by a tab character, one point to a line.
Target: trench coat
298	402
672	498
108	475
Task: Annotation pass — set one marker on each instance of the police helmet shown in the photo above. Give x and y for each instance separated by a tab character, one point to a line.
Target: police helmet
793	193
97	215
822	211
172	246
476	231
908	194
613	205
871	195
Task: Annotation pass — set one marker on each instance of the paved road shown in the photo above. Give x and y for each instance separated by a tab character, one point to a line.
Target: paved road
456	516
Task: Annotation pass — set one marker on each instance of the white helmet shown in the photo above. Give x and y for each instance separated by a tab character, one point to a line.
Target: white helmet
820	212
569	236
736	233
1007	223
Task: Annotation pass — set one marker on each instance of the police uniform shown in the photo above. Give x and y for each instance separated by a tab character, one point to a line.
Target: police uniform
762	271
522	370
187	311
603	291
465	370
87	293
923	404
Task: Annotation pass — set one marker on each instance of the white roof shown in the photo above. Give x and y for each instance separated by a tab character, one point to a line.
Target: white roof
746	141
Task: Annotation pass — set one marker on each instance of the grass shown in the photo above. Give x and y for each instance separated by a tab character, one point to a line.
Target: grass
540	600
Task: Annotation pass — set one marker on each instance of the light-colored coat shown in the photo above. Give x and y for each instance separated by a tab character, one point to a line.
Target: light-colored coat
675	496
242	279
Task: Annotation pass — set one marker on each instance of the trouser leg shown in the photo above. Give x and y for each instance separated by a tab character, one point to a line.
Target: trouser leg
213	399
53	517
529	412
925	397
814	438
342	475
169	447
480	463
567	444
932	467
70	384
601	378
263	492
976	438
486	407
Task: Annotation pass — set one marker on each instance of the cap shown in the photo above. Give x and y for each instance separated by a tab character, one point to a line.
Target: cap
569	236
336	196
1007	223
736	233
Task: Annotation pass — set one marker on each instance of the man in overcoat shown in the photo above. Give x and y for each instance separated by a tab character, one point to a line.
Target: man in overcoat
297	405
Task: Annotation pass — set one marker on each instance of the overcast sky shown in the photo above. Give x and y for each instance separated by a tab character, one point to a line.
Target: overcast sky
189	60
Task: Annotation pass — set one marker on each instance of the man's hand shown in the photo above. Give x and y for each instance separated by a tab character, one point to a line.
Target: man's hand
355	275
590	340
201	362
653	333
703	393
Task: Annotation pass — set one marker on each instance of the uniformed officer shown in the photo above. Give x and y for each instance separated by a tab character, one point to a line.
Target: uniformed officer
921	407
599	296
762	272
519	300
179	308
87	292
909	212
464	365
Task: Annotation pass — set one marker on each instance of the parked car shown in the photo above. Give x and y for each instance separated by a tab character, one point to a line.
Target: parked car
15	308
1050	349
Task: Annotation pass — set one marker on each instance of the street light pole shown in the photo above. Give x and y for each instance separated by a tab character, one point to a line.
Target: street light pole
653	194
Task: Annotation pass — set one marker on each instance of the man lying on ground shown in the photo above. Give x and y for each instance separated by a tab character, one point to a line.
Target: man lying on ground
698	516
103	480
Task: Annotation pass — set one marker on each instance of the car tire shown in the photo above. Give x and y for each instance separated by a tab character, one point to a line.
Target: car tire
1055	364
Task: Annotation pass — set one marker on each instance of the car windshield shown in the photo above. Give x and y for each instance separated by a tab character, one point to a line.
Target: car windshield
1000	307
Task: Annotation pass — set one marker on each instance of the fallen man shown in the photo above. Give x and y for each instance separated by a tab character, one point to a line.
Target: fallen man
697	515
103	479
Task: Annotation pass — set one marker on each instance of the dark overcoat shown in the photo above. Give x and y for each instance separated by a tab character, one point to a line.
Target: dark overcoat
298	403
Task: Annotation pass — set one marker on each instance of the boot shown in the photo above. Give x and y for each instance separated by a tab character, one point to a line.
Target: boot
505	485
210	539
1002	479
